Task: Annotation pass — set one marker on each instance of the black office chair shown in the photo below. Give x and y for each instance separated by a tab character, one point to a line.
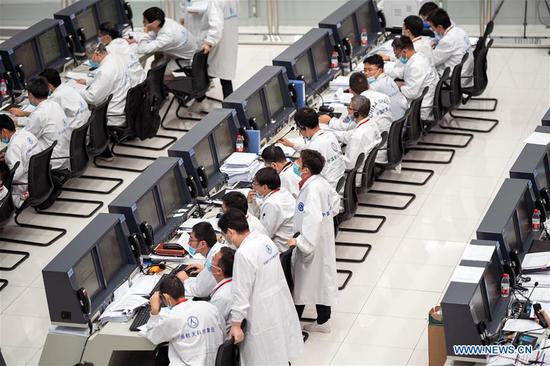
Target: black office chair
3	284
228	353
40	188
7	210
286	263
185	89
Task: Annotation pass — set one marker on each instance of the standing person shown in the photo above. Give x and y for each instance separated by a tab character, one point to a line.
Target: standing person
261	296
314	259
215	24
222	294
273	156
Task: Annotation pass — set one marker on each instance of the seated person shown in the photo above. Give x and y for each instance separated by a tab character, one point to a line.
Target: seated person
4	175
273	206
364	137
111	78
452	46
307	121
21	146
194	329
373	67
47	122
119	47
417	75
273	156
238	200
167	36
222	295
202	240
75	107
425	10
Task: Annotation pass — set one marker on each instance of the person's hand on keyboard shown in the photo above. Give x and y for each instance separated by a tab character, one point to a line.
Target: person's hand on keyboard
194	268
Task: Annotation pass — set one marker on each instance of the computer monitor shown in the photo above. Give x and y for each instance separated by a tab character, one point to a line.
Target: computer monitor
349	30
492	277
365	18
99	259
263	102
170	194
477	306
224	140
87	20
49	47
524	213
147	210
109	11
81	21
309	57
533	164
25	56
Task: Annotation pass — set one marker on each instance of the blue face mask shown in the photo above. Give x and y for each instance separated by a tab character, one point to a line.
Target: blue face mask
297	171
371	79
93	64
403	60
209	265
349	119
192	250
258	196
32	104
426	25
5	140
437	36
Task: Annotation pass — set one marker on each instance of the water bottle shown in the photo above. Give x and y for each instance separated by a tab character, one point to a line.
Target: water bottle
334	61
346	66
239	146
536	220
505	285
3	87
364	38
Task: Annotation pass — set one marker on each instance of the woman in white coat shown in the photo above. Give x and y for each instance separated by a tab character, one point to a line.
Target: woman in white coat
215	24
261	296
314	260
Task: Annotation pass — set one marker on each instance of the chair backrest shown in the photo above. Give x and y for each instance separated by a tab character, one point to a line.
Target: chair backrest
155	77
395	143
99	135
350	200
228	353
414	120
40	185
199	72
438	109
481	80
367	175
77	150
483	39
456	84
9	180
7	208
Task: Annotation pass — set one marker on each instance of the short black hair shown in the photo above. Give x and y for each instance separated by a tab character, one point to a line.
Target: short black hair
236	200
306	117
376	60
38	87
7	123
313	160
402	43
415	25
52	76
358	82
154	13
440	18
269	177
109	29
4	171
205	231
227	258
427	8
233	219
273	154
173	286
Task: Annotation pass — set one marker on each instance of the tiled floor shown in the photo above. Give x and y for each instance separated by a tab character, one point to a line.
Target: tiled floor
380	318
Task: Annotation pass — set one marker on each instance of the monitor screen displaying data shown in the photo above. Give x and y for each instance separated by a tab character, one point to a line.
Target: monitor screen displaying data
109	12
147	210
203	154
85	275
86	21
223	140
303	67
112	257
49	46
255	110
348	30
170	193
274	96
321	58
25	56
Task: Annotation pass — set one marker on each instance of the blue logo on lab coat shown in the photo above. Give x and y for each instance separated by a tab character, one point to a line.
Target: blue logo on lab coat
192	321
301	206
268	249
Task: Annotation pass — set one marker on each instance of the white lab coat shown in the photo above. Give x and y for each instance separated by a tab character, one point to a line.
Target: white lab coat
194	330
49	123
22	146
386	85
314	260
222	298
203	284
111	78
326	144
424	46
290	180
75	107
276	213
360	140
342	124
120	48
261	296
418	74
380	104
173	39
254	225
450	50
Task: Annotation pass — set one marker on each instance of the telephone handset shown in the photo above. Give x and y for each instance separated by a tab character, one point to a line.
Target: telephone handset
347	47
72	47
293	92
81	36
134	246
545	198
129	14
203	179
242	132
192	186
540	205
20	74
148	235
85	302
252	123
341	53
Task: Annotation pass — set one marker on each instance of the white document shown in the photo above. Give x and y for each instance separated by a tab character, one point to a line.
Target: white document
198	7
536	260
522	325
466	274
240	159
76	75
538	138
143	284
340	82
73	84
478	253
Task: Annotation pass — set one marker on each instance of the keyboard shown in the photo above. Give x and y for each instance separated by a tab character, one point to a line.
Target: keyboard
140	318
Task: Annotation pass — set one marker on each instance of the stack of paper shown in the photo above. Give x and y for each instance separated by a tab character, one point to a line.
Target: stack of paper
534	261
339	97
122	310
241	167
188	225
340	82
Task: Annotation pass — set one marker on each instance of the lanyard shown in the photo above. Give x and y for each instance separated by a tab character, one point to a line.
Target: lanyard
287	165
220	285
448	29
417	39
363	122
180	301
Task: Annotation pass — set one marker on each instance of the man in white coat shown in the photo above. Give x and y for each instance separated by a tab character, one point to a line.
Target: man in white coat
307	121
75	107
239	201
417	74
21	146
215	24
452	46
273	156
202	240
373	67
167	36
261	296
273	206
119	47
222	295
314	260
47	122
194	329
